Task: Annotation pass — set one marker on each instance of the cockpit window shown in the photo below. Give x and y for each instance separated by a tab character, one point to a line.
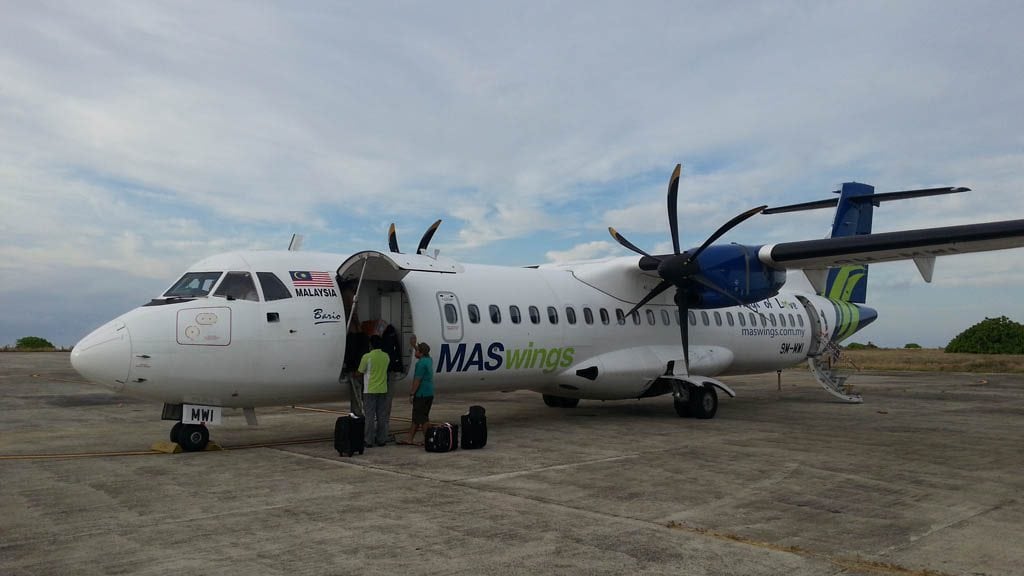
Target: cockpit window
193	285
273	288
237	286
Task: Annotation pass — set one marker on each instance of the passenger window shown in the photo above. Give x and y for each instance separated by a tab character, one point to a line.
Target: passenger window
692	318
552	315
792	321
588	316
620	316
605	319
534	315
771	317
782	320
451	315
650	318
801	320
665	319
704	318
718	318
513	314
753	319
570	315
742	318
474	313
237	286
495	314
193	285
273	288
728	318
636	317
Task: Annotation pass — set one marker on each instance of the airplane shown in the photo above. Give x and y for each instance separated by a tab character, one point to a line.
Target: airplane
264	328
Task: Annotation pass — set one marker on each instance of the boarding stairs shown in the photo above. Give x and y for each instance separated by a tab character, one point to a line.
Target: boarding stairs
825	368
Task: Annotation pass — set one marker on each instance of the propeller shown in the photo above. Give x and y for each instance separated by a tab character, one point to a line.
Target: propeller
682	269
424	241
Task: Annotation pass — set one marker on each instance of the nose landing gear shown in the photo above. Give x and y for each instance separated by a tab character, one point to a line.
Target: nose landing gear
191	437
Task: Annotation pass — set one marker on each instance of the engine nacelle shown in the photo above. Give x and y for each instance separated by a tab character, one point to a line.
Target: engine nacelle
735	269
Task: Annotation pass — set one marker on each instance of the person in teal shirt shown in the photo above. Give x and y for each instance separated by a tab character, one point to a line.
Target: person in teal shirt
422	393
374	364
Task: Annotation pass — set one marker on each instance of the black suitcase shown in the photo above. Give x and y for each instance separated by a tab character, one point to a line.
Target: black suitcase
348	435
441	438
474	428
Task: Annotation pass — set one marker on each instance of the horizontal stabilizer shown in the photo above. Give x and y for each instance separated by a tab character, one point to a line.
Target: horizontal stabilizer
892	246
873	198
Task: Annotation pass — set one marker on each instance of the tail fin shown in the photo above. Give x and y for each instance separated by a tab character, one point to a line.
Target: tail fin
853	218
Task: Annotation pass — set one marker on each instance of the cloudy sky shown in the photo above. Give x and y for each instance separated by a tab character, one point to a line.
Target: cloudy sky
137	137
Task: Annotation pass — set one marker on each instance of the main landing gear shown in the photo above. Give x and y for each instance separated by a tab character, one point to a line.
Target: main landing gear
696	401
191	437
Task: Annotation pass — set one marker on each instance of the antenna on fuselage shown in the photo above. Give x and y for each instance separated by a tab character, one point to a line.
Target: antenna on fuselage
296	243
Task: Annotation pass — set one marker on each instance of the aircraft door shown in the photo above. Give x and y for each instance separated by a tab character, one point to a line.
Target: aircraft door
451	317
819	340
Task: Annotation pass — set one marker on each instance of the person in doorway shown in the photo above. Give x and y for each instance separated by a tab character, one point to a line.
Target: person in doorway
389	344
422	393
356	346
374	365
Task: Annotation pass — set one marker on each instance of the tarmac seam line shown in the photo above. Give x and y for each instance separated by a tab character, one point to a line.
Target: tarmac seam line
843	562
506	475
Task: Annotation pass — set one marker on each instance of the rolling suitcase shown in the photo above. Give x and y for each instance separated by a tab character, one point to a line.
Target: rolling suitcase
474	428
348	435
441	438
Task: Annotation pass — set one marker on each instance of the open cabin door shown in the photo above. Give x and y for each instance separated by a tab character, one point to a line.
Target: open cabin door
374	294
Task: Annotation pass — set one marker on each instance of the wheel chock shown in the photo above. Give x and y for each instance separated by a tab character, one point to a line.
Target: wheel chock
166	446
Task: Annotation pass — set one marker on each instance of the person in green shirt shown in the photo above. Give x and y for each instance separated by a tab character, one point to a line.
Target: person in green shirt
374	364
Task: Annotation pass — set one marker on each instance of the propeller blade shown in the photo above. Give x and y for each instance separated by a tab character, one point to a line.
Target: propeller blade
673	214
627	244
664	285
393	239
427	237
682	301
725	228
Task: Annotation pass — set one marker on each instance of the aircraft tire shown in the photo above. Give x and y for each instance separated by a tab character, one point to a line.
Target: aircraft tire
176	432
683	408
704	402
193	437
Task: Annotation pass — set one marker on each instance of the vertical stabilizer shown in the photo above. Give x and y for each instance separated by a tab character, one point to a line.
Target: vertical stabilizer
853	218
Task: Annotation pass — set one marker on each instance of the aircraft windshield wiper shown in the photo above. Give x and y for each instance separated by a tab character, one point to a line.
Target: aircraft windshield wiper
168	300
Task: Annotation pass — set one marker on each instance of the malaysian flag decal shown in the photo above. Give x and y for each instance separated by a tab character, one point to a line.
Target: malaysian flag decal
309	283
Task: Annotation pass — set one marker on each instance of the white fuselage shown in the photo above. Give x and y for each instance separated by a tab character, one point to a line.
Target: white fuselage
219	351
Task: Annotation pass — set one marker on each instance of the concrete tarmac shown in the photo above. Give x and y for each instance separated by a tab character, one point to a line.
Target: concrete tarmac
924	478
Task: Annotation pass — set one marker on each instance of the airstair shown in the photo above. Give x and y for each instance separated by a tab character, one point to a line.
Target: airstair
825	368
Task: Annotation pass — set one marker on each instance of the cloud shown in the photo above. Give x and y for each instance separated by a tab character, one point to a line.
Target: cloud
141	137
585	251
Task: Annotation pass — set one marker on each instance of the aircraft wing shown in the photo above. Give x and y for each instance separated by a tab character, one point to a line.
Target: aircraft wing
890	246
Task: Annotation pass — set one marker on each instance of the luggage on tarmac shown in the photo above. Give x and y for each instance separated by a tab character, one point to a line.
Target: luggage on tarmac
474	428
348	435
441	438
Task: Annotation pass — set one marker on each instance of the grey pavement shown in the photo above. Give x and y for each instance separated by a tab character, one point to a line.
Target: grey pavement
924	478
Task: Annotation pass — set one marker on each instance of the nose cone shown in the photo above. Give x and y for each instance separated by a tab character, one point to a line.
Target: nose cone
105	355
